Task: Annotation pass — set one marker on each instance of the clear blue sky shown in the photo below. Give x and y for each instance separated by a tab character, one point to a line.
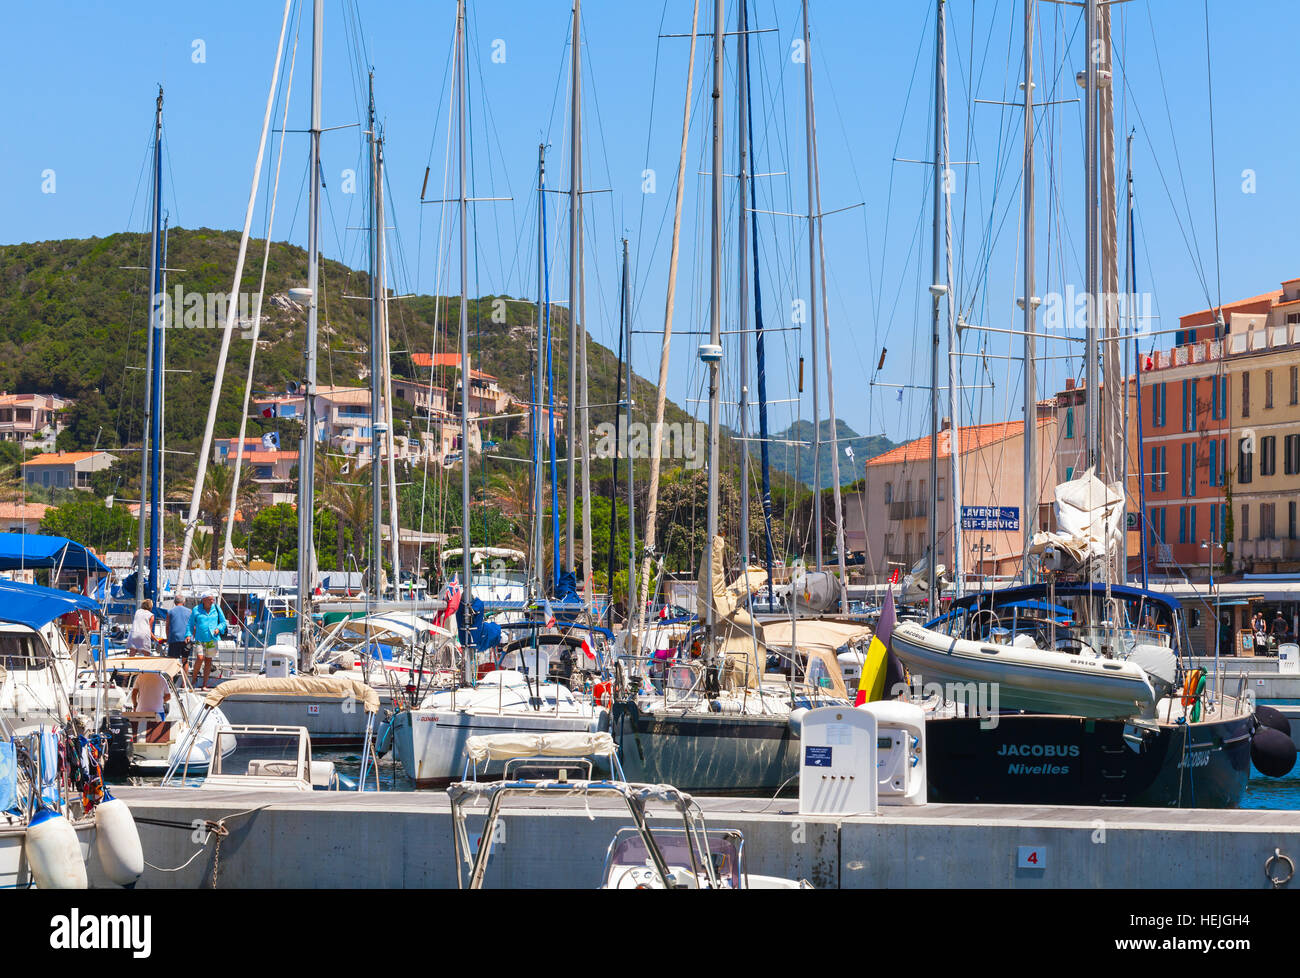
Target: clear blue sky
79	81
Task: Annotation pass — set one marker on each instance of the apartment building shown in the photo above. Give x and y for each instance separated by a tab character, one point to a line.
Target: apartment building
888	519
1263	369
32	420
65	470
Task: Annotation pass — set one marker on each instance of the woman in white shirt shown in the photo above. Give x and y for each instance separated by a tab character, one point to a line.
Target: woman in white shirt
141	639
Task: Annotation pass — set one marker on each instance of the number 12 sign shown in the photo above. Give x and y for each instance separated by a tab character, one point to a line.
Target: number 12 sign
1031	857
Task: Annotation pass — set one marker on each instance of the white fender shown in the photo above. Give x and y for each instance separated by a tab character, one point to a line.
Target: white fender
117	843
54	854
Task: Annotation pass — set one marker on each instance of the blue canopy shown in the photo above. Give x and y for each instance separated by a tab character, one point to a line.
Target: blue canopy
28	551
36	606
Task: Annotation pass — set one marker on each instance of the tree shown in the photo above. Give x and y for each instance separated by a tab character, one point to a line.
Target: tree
347	498
88	521
214	503
90	424
273	536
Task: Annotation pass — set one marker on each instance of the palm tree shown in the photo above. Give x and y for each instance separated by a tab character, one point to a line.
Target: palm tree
214	503
347	496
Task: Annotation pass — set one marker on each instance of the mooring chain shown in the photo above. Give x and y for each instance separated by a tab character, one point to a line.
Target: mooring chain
211	828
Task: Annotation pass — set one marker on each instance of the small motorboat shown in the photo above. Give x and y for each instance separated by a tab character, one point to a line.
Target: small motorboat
557	766
276	757
151	741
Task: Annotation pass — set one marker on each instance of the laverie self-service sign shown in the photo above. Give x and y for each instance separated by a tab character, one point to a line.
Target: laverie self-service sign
990	517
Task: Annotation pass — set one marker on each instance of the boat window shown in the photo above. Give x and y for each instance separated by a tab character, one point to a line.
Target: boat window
818	675
22	650
256	754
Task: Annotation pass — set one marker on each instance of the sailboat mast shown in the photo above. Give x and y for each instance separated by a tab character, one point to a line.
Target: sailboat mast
631	514
715	311
954	362
146	585
622	438
575	229
742	263
826	336
812	295
376	489
159	489
384	435
307	457
937	290
1091	393
461	48
539	384
1131	276
1030	514
656	432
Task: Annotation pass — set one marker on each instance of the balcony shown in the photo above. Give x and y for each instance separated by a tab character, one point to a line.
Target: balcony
1272	550
909	509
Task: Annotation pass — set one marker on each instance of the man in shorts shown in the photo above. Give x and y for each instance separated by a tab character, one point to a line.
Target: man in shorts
207	623
178	630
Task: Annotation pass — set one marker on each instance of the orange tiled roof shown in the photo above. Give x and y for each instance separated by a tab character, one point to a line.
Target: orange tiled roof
18	511
270	457
62	458
7	399
972	437
345	395
446	360
436	360
1257	303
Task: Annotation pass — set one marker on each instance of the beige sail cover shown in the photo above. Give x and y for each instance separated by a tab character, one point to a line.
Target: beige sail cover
502	747
740	638
821	639
164	664
330	687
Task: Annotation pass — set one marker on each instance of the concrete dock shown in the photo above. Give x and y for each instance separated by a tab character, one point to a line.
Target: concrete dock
404	839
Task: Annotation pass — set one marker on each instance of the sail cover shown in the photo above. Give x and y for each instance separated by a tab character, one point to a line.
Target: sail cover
740	638
1089	516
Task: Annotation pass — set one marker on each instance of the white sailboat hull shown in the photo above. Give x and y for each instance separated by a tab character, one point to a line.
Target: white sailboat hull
430	741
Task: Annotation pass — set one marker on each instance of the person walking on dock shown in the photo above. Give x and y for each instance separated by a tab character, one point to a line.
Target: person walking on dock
206	624
141	639
178	630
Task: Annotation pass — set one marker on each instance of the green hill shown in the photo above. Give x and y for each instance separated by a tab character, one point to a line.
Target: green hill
791	452
73	318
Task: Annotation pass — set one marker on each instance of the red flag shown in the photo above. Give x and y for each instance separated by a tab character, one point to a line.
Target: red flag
893	577
268	412
587	649
550	614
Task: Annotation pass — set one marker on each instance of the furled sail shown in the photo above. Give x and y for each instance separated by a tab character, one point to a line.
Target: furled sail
1089	517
